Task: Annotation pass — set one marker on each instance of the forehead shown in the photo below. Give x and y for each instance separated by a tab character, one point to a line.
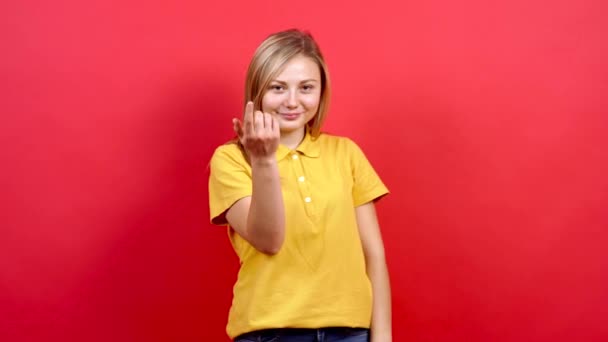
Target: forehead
299	67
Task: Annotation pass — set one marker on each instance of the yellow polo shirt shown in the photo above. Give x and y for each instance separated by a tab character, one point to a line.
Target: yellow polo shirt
318	278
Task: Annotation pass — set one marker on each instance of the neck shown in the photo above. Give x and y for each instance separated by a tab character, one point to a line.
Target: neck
292	139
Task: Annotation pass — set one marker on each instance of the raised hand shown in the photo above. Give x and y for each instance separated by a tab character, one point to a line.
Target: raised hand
259	133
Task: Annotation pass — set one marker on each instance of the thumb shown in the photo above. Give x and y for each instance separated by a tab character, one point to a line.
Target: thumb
238	127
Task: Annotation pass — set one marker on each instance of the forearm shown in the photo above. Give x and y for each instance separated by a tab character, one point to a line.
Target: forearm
381	328
266	217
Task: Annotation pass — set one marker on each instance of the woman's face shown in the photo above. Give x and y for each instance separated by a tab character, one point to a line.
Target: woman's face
293	96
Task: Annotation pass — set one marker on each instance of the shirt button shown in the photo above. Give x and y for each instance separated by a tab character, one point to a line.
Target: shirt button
307	199
301	178
294	156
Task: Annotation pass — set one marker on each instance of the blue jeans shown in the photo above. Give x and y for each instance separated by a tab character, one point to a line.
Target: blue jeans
306	335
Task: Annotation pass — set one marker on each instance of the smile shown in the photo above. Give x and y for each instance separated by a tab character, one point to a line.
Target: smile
290	116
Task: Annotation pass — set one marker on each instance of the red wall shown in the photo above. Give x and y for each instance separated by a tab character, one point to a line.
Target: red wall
487	121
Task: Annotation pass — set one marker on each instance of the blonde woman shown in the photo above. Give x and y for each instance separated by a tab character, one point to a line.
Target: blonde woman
299	206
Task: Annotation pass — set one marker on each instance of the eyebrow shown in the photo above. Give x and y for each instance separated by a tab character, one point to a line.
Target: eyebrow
303	81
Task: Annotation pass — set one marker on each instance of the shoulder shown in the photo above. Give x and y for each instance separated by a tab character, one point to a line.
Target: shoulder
230	153
338	144
229	148
336	141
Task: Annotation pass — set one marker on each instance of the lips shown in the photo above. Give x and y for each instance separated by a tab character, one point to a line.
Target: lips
290	116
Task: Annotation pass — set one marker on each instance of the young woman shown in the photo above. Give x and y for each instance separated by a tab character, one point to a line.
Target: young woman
299	205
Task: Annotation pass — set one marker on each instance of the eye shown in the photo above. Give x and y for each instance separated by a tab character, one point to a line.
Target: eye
308	87
276	87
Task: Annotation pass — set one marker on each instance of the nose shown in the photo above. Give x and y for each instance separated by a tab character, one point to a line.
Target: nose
292	99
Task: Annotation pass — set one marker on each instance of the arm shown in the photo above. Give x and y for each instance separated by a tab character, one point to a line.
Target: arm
377	271
260	218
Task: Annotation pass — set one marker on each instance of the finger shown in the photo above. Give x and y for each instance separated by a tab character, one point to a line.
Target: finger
248	118
258	121
275	126
268	122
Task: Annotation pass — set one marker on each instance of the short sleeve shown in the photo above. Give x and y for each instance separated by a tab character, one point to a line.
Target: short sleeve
229	181
367	185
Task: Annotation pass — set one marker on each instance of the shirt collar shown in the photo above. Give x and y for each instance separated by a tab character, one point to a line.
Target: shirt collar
309	147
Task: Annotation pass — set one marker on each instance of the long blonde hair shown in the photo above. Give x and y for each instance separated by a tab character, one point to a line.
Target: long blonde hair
270	57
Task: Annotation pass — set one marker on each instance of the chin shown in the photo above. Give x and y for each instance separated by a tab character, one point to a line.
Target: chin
291	126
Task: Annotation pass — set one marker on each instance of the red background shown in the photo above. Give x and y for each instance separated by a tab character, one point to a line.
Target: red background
486	119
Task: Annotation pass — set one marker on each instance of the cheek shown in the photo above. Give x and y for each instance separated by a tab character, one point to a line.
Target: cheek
312	101
268	102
